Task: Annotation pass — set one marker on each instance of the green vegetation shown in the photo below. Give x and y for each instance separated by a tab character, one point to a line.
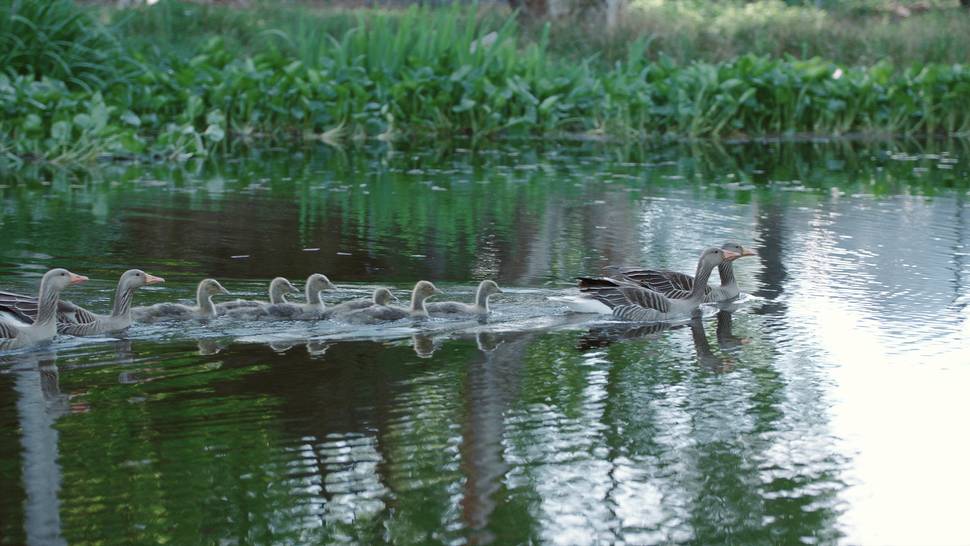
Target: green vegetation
180	80
848	33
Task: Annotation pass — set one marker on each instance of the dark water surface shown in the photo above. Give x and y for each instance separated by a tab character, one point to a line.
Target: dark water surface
830	406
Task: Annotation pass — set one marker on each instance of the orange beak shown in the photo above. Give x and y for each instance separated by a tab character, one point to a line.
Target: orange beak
76	279
730	256
152	279
748	252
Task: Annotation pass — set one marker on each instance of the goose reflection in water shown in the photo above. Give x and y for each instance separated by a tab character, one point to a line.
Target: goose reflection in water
40	404
726	339
604	336
488	342
210	346
424	345
282	346
705	356
317	348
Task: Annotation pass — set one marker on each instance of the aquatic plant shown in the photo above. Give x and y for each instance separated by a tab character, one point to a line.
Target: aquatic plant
447	72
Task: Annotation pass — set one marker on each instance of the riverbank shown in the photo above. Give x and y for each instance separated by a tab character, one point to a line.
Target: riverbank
175	81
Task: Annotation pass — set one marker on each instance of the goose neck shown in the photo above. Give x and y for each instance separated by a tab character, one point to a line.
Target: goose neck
122	301
312	295
205	301
276	294
700	281
47	304
417	304
481	299
726	271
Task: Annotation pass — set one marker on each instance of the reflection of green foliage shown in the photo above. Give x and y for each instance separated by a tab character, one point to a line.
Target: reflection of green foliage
453	207
12	530
228	470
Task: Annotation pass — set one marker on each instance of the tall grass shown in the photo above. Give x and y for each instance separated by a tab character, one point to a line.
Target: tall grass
56	39
241	75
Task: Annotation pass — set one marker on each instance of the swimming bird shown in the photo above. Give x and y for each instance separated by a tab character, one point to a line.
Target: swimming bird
453	308
15	334
381	297
631	301
203	309
278	288
376	314
82	322
313	309
678	285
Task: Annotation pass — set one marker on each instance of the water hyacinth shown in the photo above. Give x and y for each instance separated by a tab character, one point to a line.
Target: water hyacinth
442	72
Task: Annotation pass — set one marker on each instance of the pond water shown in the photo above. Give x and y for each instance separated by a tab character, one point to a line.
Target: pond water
829	406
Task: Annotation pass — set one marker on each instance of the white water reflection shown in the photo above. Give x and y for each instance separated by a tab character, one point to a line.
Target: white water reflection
39	404
896	363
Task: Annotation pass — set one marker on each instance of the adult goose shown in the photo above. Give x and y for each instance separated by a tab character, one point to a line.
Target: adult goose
15	334
380	298
486	289
203	309
313	309
633	302
677	285
82	322
278	289
376	314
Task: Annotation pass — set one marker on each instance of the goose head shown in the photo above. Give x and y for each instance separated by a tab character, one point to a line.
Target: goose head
738	249
485	290
203	295
713	257
211	287
383	296
58	279
424	290
279	288
489	287
136	278
315	284
318	282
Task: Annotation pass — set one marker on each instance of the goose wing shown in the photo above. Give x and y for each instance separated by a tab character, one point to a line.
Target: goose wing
79	328
661	280
8	330
68	312
603	289
683	285
615	293
673	284
348	306
236	304
24	308
646	298
21	307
